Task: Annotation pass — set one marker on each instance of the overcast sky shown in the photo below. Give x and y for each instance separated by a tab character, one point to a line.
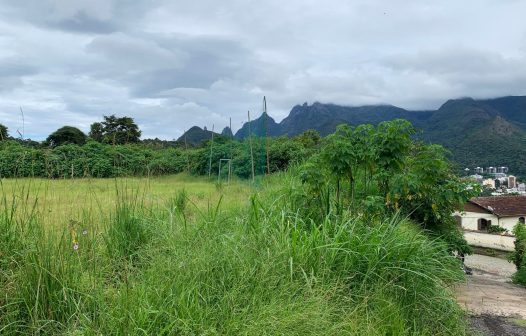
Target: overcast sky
175	64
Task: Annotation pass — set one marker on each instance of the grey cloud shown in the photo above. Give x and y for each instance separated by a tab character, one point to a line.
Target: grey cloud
150	65
12	73
173	64
81	22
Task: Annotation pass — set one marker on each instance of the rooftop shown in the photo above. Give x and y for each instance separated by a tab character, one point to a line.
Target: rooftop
502	206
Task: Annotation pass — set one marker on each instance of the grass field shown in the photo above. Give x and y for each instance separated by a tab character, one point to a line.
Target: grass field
181	255
61	200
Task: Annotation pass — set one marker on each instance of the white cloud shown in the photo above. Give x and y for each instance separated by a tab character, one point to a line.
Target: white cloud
172	65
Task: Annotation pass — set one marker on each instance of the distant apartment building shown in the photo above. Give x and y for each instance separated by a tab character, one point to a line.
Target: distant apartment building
489	183
479	170
502	170
491	170
512	182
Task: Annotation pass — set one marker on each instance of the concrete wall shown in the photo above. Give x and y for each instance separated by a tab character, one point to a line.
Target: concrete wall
483	239
508	223
498	242
470	220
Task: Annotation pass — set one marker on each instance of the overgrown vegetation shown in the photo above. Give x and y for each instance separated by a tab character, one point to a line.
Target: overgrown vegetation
353	236
377	171
258	268
518	256
96	159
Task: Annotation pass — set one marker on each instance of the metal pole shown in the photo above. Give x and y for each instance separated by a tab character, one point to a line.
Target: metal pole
250	142
186	152
219	172
266	132
211	146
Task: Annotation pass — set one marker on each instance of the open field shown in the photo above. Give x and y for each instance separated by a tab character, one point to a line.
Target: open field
180	255
59	201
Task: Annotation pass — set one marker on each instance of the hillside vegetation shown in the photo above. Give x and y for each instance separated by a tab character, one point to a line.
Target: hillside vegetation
488	132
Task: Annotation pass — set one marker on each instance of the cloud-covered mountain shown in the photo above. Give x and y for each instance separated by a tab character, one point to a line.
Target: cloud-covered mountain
485	132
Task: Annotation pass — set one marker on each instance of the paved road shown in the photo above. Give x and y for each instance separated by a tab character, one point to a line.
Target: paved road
492	265
489	291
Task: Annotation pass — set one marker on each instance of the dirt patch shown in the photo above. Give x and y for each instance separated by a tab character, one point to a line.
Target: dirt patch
488	325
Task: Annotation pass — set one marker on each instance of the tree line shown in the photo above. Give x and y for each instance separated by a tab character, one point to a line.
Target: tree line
113	148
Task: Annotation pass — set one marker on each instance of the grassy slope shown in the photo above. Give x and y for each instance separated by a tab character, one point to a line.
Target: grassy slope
232	264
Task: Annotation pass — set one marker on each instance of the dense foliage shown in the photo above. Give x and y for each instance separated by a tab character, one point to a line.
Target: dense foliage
518	256
3	132
96	159
66	135
115	130
373	171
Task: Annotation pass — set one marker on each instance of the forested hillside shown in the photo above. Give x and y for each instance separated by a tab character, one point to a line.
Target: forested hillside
486	132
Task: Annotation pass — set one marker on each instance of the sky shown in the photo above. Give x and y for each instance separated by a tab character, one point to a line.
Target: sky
174	64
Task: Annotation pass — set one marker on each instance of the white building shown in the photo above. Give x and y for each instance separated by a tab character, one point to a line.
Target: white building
489	182
481	212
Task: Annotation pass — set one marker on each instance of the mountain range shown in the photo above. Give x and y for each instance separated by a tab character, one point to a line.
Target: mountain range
484	132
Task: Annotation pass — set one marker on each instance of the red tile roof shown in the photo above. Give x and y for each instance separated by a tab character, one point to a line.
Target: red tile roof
502	206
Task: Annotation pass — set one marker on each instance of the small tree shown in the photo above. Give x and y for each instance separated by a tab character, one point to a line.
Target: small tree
3	132
392	142
66	135
96	131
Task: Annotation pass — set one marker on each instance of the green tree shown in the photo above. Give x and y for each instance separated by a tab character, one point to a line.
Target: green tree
392	142
116	131
365	152
96	131
428	192
336	155
309	138
66	135
3	132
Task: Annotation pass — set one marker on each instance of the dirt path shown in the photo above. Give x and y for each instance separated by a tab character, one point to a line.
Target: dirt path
497	306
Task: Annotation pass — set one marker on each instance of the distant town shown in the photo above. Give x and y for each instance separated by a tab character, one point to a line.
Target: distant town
496	181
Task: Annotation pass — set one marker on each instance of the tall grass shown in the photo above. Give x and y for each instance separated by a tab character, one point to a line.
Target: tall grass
179	268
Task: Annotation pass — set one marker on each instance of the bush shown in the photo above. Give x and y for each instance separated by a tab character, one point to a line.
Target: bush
496	229
518	256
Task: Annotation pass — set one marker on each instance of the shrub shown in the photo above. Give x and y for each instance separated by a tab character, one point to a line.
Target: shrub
518	256
496	229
